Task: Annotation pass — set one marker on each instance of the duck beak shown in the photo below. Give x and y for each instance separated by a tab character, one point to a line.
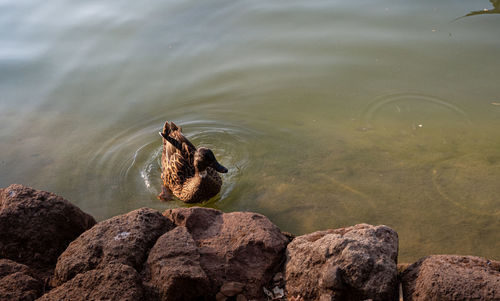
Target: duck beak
219	167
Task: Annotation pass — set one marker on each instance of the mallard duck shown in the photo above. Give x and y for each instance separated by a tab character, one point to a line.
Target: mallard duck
189	173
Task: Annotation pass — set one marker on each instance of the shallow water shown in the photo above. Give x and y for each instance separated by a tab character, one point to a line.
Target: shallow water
327	113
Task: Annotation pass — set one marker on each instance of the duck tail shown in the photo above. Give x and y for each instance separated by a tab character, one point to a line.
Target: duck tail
174	126
168	128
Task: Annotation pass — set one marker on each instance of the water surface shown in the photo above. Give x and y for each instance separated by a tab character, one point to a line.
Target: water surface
327	113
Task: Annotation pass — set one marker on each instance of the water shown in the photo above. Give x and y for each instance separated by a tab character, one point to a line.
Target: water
327	113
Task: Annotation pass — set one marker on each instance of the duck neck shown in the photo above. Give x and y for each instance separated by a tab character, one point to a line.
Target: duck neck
200	173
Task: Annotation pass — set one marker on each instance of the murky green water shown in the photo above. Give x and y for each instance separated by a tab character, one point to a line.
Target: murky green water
328	113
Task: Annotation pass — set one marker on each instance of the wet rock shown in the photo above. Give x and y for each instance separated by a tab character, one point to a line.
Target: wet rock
17	282
37	226
354	263
115	281
452	277
239	247
124	239
174	270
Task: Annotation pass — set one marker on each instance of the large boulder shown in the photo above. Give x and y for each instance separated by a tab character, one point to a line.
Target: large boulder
17	282
114	281
124	239
37	226
238	250
354	263
452	277
173	268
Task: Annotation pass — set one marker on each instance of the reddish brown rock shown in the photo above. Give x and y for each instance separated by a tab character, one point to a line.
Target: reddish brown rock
354	263
113	282
230	289
173	268
124	239
17	282
234	247
8	267
452	277
37	226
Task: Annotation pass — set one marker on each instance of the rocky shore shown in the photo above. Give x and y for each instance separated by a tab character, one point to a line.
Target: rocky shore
51	250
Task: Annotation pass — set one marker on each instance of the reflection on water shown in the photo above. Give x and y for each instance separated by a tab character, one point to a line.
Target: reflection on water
326	115
486	11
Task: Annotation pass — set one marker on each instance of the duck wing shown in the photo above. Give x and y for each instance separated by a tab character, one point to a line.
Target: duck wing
177	172
177	157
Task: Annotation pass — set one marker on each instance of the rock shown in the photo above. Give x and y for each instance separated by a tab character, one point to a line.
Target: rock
174	268
122	239
230	289
241	297
8	267
239	247
452	277
354	263
278	277
113	282
220	297
37	226
17	282
402	267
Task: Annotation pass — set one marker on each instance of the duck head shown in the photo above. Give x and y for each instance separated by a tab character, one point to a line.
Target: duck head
204	157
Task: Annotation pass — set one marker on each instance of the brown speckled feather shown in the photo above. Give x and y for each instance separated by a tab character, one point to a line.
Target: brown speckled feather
178	171
177	163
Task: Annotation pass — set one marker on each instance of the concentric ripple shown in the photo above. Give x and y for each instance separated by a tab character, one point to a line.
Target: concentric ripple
411	110
470	182
128	164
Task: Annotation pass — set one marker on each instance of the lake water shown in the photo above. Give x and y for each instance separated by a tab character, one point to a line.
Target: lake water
327	113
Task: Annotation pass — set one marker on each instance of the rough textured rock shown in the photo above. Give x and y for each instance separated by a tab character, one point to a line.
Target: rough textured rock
114	282
37	226
452	277
230	289
124	239
234	247
8	267
354	263
17	282
174	270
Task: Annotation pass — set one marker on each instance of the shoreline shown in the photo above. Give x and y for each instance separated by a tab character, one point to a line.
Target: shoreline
51	250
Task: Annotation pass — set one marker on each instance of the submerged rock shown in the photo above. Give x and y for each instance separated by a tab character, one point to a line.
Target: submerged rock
452	277
37	226
239	251
124	239
354	263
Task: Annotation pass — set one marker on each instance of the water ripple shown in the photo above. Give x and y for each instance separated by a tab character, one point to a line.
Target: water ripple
130	160
469	182
411	108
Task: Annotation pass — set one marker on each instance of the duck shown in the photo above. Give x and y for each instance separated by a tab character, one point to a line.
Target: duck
191	174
